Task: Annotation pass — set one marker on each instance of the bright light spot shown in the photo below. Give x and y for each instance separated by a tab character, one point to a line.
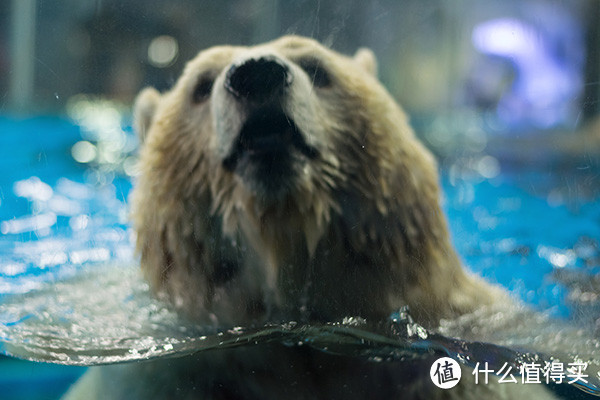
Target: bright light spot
466	194
28	224
12	269
73	190
557	257
64	206
79	222
162	51
109	156
559	260
545	81
484	220
488	167
130	166
506	245
111	235
504	36
81	256
21	286
84	152
98	117
124	253
33	189
50	259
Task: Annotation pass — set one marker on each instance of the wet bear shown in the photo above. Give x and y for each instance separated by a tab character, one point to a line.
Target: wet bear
282	182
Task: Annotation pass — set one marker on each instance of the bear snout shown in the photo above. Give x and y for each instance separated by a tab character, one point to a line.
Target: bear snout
258	79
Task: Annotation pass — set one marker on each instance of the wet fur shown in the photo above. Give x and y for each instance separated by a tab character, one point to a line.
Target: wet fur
358	232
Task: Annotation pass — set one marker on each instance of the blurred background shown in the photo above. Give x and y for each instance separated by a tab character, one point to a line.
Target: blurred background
501	65
505	92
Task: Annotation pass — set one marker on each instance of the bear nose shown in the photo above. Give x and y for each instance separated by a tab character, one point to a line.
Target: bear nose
258	79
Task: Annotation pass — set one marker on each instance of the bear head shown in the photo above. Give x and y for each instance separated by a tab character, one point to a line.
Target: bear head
283	181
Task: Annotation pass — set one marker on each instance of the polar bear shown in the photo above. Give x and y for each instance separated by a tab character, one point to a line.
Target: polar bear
282	182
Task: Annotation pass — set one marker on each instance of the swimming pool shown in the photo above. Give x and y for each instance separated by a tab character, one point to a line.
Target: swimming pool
66	246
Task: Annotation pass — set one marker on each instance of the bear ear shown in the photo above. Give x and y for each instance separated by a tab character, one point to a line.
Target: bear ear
366	59
144	108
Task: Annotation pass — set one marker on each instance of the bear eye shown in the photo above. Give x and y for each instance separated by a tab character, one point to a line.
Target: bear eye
316	72
202	90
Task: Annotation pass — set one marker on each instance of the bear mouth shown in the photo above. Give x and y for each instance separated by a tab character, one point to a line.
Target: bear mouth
268	138
268	153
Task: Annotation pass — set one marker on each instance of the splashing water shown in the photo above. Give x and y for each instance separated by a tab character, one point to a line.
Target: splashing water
108	316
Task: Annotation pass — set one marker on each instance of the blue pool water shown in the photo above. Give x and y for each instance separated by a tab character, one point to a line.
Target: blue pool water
518	240
65	239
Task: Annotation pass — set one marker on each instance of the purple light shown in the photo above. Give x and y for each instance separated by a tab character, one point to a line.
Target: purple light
504	37
545	82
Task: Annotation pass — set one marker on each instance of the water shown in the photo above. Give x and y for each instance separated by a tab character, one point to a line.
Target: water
71	292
